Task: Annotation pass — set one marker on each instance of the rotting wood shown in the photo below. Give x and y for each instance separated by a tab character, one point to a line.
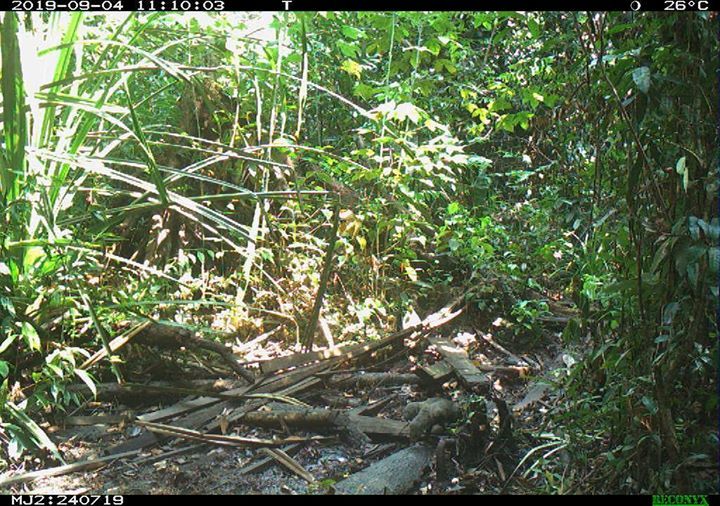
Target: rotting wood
351	351
382	427
438	372
373	408
467	373
84	465
128	392
395	474
302	419
441	371
377	379
297	359
286	384
207	415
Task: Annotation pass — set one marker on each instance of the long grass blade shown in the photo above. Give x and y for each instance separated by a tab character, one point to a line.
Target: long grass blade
14	119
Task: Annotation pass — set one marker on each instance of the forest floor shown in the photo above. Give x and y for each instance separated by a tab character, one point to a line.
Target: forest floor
466	458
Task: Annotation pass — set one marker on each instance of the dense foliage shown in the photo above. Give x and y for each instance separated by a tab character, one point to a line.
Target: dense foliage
217	172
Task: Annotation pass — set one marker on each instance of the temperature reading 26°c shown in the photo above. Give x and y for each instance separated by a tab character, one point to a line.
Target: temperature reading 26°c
683	5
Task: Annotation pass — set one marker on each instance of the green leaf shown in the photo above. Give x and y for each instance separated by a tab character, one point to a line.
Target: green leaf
7	305
534	27
411	272
714	229
714	259
32	255
12	168
641	76
85	377
4	369
32	339
680	166
351	32
7	342
38	436
348	50
650	404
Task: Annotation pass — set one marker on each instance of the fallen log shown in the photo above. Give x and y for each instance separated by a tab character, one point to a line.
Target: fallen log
395	474
442	371
129	392
295	419
377	379
207	415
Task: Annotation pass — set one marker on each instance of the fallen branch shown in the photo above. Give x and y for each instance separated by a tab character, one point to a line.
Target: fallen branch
375	379
128	392
263	463
289	463
84	465
222	440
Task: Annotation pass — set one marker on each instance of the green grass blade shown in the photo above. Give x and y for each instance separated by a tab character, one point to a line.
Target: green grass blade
149	158
14	119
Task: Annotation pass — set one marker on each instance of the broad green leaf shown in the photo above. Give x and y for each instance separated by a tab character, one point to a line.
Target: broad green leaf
32	255
348	50
351	32
40	439
534	27
85	377
641	76
411	272
7	342
32	339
